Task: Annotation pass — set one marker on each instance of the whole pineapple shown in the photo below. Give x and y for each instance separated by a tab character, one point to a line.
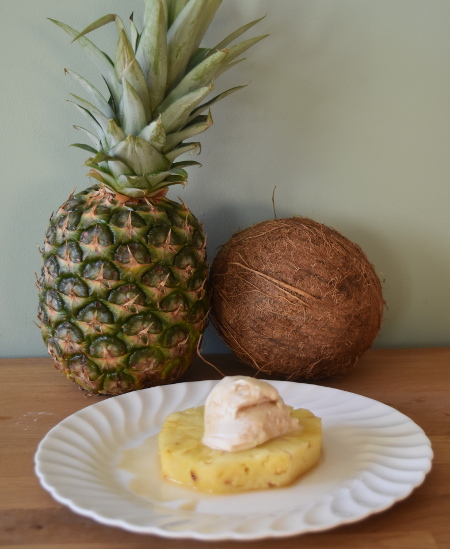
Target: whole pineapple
123	296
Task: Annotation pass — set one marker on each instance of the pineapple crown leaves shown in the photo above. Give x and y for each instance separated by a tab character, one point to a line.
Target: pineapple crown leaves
158	83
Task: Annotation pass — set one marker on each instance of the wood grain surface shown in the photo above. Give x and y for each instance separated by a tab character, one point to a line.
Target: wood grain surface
35	397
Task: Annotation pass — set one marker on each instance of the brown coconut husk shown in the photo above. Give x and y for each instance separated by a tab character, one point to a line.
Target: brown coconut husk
296	299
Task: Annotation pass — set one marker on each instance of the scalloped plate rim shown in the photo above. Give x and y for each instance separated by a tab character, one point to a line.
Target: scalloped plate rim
55	490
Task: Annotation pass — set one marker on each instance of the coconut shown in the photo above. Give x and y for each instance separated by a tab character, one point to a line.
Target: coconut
295	299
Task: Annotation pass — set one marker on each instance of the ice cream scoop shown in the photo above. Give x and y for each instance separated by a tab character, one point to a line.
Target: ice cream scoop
242	412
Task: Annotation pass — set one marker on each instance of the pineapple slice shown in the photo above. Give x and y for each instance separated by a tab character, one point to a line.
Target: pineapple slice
277	462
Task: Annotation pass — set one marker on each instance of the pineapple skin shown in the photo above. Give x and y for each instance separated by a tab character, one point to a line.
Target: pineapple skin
276	463
122	297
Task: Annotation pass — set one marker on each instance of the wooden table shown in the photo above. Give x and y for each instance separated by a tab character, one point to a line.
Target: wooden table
34	398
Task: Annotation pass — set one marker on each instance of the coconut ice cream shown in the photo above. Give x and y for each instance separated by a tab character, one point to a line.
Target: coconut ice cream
243	412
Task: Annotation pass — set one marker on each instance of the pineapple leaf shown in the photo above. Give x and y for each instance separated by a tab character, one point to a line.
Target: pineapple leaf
114	133
208	11
111	101
151	53
230	38
139	155
177	115
155	134
168	181
117	167
156	178
91	136
199	56
134	186
125	67
186	164
120	27
100	118
105	20
138	186
96	175
185	35
204	53
198	77
100	101
125	152
100	59
95	125
179	177
238	49
175	153
134	34
199	125
179	171
215	99
134	116
150	4
110	18
224	68
84	147
128	68
174	8
98	130
100	156
105	178
151	159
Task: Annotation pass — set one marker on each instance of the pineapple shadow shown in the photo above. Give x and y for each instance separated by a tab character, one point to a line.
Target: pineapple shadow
221	224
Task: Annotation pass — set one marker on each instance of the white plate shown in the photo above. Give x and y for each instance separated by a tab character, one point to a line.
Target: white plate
372	457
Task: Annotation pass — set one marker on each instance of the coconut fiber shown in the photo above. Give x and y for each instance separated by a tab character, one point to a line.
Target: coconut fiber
295	298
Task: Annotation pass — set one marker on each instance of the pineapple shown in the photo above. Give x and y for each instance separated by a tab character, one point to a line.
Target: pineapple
123	298
277	462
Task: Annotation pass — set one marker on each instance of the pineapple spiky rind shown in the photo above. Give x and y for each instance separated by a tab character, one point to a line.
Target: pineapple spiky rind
123	298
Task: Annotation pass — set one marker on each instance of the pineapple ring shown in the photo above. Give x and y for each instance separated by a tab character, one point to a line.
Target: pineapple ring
277	462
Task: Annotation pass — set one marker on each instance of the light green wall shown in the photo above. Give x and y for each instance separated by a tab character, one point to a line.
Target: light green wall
347	113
